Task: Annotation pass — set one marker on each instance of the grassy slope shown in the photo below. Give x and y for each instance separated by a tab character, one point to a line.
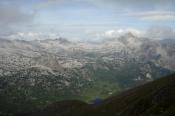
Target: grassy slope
156	98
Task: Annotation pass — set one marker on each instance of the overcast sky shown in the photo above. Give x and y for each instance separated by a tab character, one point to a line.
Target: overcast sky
83	18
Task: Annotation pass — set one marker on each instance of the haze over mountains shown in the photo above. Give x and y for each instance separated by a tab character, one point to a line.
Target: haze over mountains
85	51
38	72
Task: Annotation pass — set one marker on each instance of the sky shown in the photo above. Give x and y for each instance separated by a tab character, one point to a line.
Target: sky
85	19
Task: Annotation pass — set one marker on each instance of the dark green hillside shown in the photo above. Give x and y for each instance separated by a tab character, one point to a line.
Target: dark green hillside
156	98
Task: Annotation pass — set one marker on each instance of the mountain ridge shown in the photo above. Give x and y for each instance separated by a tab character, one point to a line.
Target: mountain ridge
40	72
154	98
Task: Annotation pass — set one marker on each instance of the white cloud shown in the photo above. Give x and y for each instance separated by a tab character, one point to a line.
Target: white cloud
160	18
154	32
154	15
113	33
135	32
119	32
32	36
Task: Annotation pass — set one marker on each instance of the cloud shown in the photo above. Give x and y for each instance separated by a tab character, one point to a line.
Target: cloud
147	10
119	32
31	36
95	15
160	18
115	4
131	5
160	32
48	3
154	32
12	16
154	15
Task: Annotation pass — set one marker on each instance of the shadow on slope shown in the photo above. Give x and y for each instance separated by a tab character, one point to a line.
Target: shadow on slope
156	98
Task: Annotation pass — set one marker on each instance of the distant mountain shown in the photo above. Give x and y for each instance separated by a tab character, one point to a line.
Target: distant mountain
156	98
38	72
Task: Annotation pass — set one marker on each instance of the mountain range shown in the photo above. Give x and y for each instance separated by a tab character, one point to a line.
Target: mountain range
39	72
